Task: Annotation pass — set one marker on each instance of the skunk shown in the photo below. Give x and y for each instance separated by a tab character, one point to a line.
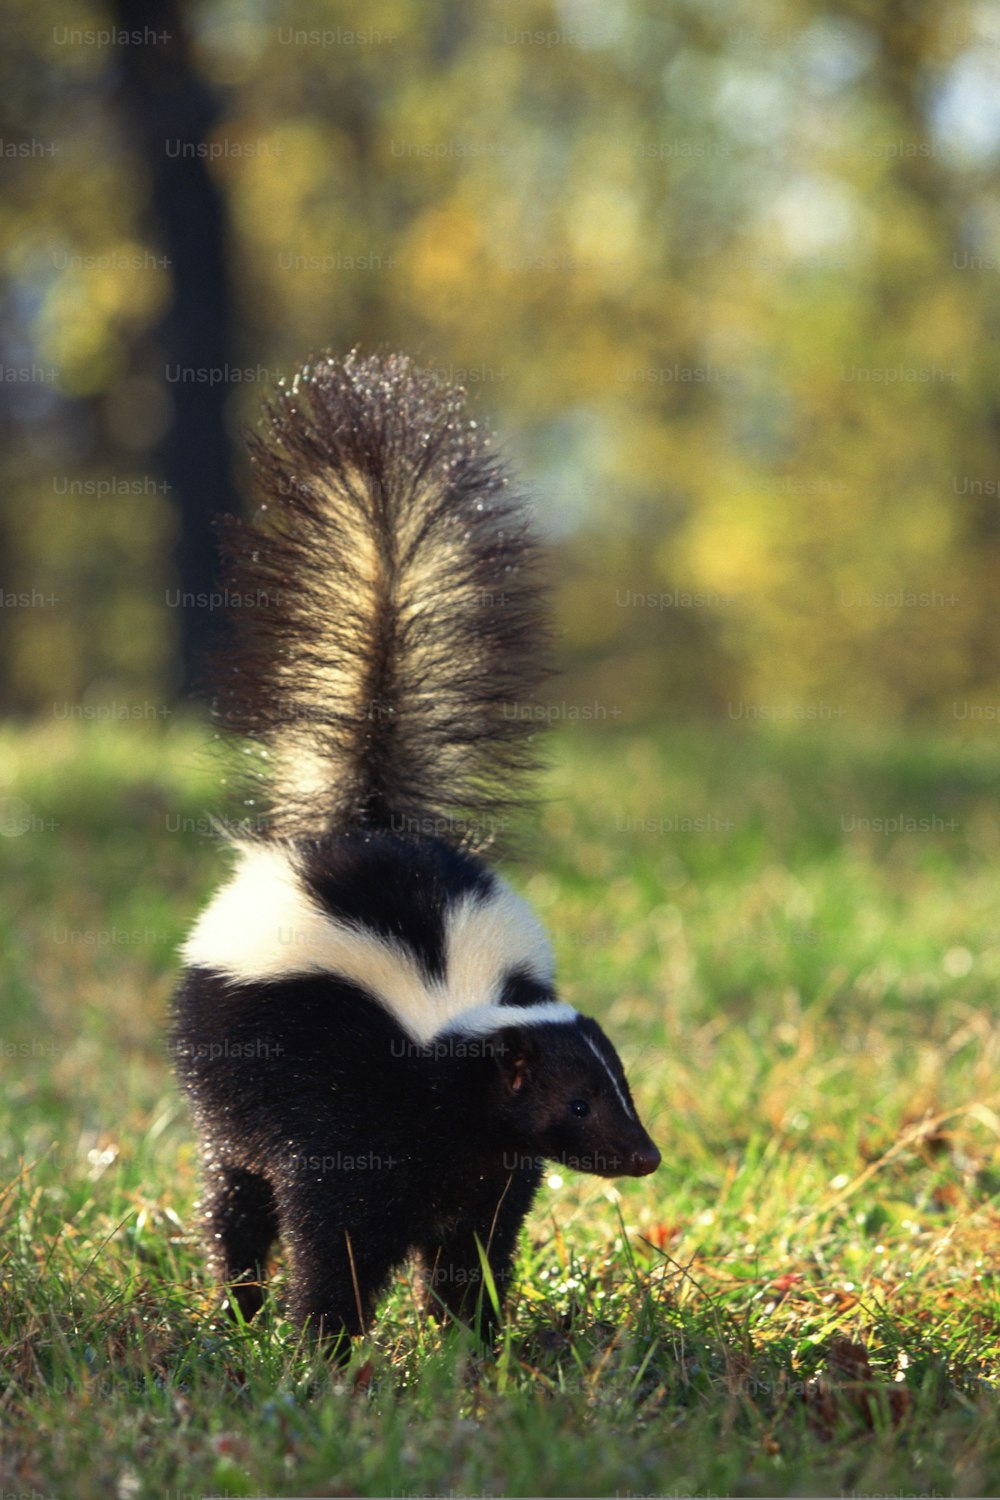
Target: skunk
367	1024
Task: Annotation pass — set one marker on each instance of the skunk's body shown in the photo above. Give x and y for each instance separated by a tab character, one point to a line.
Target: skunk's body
367	1025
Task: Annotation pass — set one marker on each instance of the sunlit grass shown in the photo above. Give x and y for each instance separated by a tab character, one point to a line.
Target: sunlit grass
803	1299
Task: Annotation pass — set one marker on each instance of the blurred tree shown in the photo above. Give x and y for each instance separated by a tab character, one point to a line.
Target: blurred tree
175	113
725	275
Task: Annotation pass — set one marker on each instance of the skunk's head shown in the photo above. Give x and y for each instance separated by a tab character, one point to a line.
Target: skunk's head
561	1093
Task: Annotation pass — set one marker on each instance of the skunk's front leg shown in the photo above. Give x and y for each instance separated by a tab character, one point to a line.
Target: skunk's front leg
342	1248
452	1257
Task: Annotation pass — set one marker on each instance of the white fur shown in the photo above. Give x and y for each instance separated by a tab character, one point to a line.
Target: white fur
261	924
264	925
483	1020
484	940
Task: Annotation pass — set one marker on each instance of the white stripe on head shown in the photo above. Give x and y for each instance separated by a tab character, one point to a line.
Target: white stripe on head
264	925
614	1081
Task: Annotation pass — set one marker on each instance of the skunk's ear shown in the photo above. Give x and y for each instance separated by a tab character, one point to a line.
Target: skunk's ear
515	1050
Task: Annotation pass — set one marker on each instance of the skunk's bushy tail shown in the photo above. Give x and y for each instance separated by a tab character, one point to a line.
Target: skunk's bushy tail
390	631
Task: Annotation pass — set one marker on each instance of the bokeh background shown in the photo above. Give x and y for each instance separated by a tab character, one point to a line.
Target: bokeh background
724	278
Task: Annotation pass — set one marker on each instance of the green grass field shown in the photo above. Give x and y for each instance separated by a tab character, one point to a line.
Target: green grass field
804	1299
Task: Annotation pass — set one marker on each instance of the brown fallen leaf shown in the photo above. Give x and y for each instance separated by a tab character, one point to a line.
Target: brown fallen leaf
661	1234
785	1284
850	1359
851	1388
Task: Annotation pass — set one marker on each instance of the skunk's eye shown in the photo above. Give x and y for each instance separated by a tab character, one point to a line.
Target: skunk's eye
579	1107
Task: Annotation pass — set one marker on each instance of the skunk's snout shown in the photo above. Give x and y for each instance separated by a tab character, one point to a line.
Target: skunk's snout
633	1154
644	1161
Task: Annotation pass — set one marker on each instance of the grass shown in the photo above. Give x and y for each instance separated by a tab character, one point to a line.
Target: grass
803	1300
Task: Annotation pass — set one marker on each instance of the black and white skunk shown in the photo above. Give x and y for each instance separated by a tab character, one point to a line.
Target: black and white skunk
367	1024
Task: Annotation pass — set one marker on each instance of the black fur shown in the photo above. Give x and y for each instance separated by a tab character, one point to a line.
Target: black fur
400	887
323	1121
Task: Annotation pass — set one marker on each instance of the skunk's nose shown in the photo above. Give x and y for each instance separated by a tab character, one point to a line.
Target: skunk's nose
641	1163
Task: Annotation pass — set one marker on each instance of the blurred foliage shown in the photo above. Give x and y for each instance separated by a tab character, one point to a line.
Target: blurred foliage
723	275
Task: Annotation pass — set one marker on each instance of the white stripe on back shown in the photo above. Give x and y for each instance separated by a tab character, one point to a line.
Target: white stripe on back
483	1020
264	925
